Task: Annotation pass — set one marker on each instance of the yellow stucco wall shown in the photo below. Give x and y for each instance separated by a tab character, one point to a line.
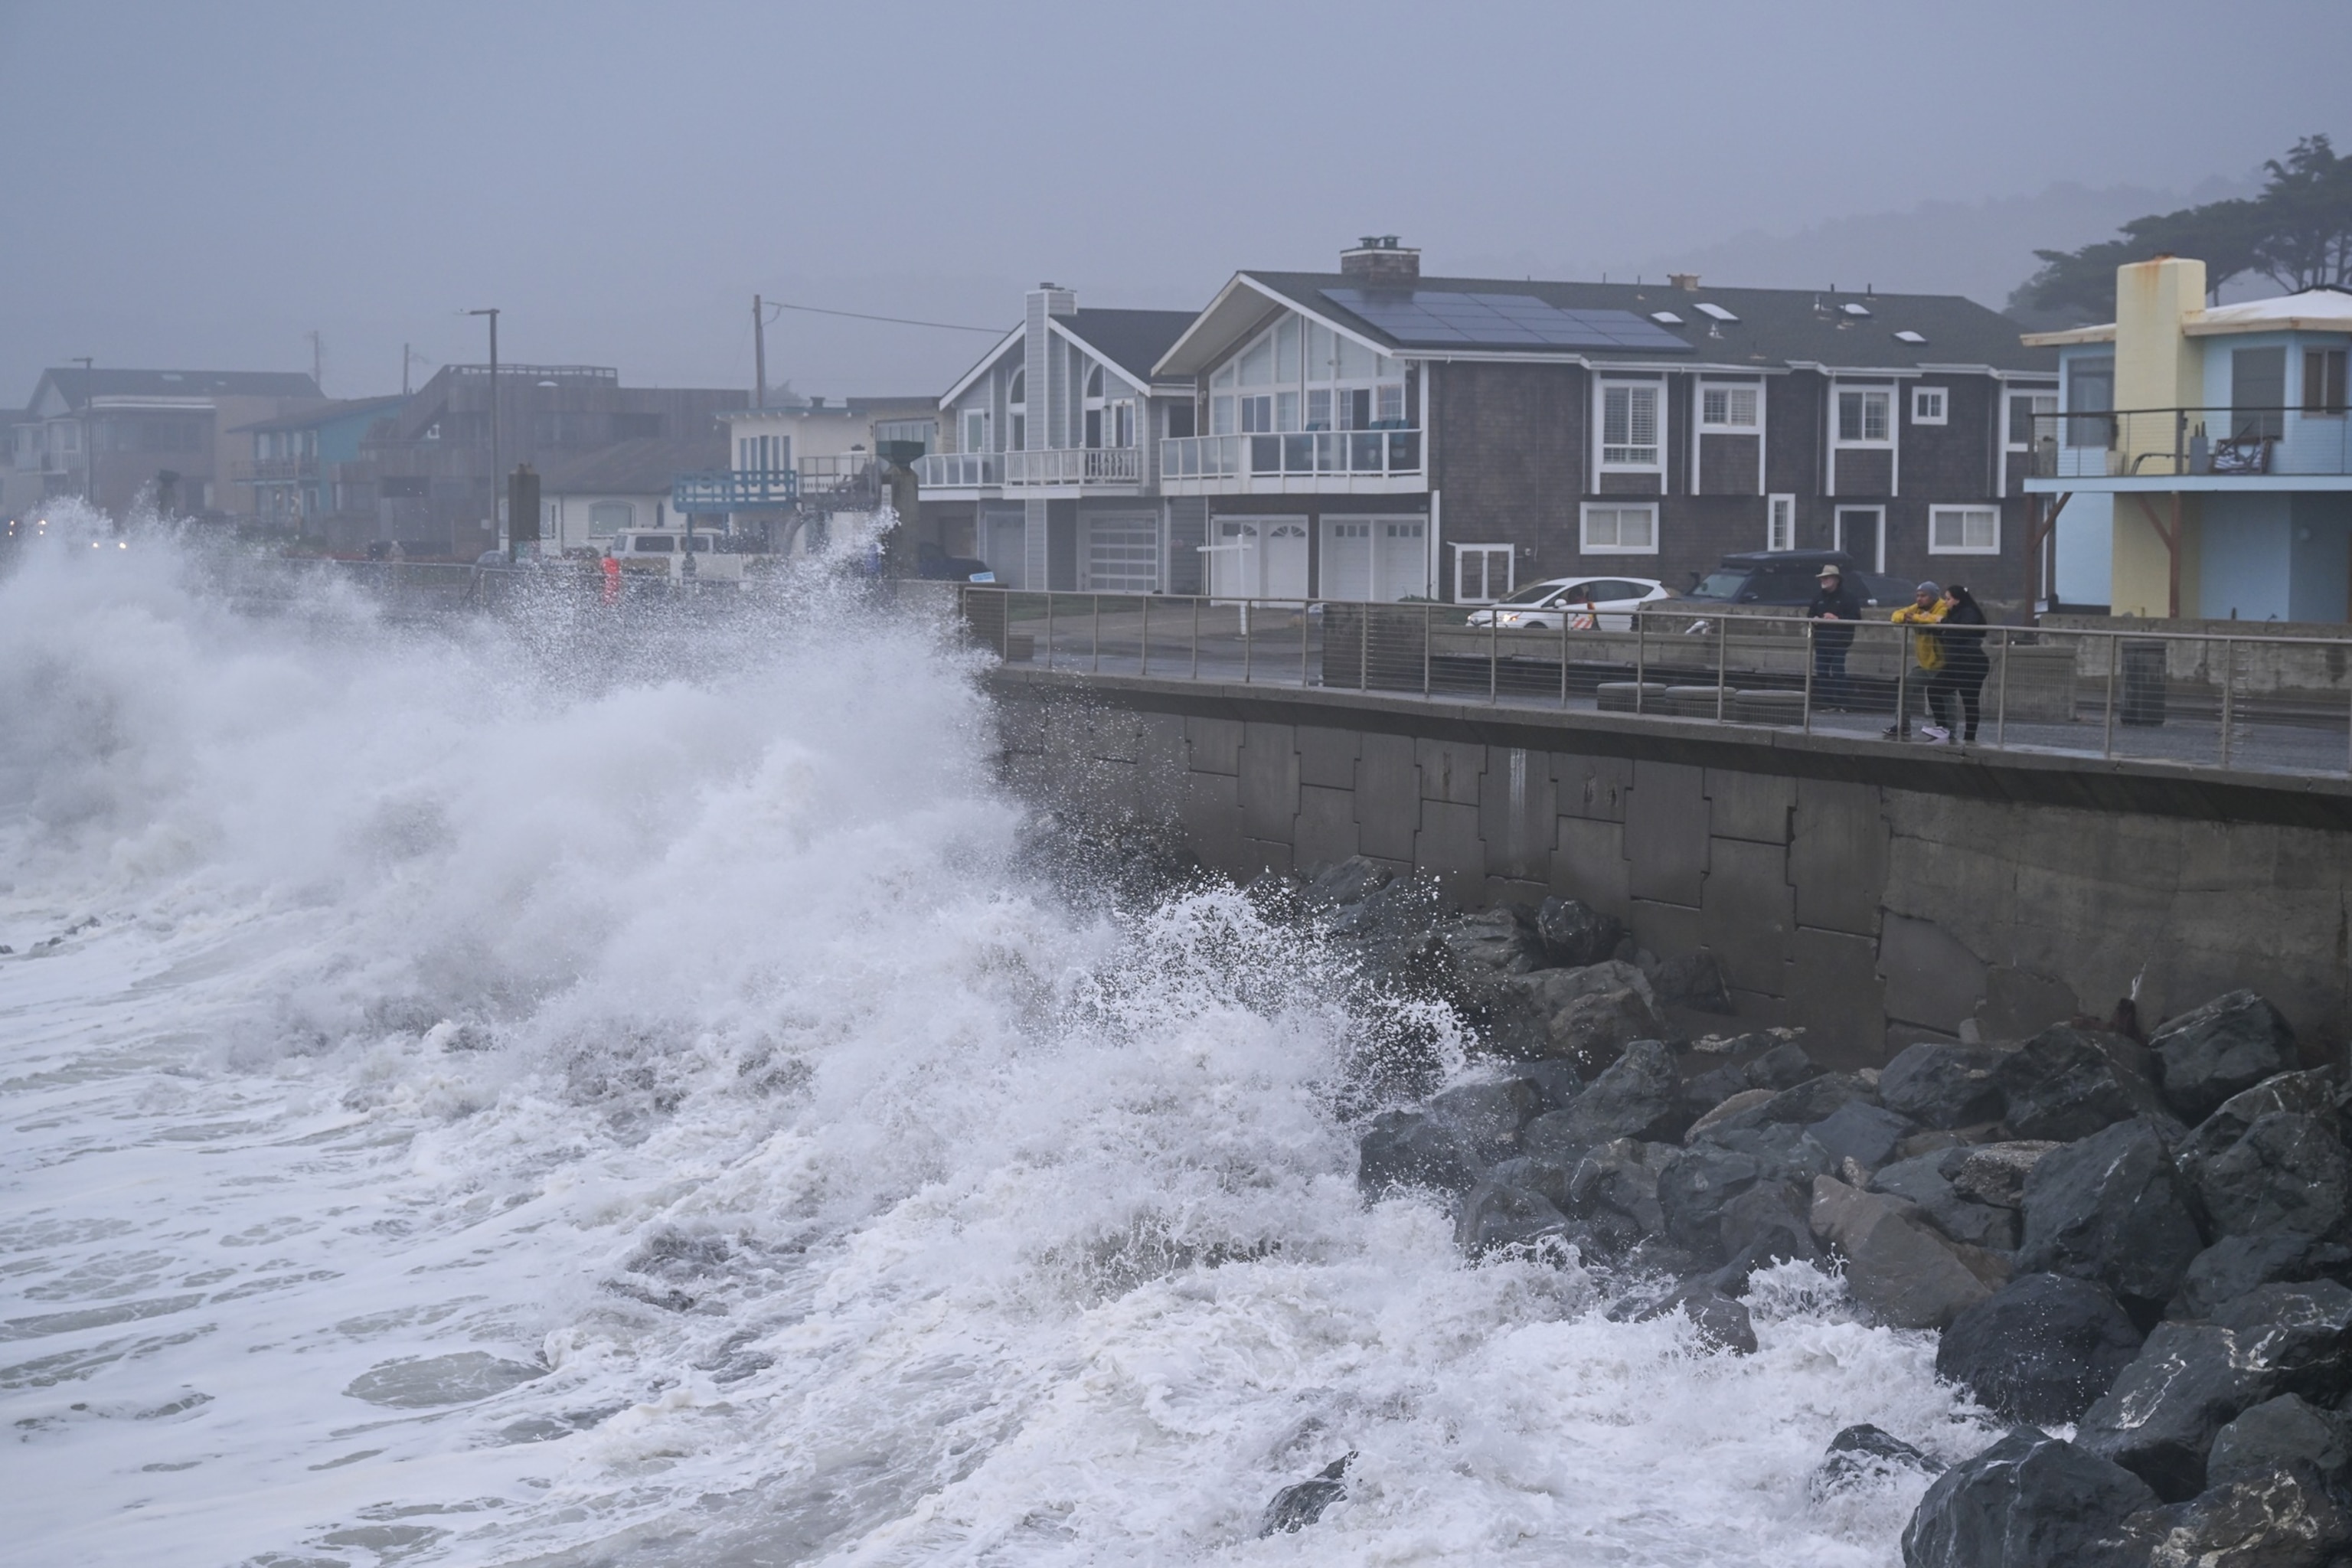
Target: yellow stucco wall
2158	366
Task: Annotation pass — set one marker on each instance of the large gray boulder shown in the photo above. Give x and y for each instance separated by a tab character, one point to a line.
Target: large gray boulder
2040	1349
1497	1215
2031	1500
1929	1182
2229	1044
1575	934
1489	1115
1943	1085
1897	1268
1591	1015
2279	1518
1866	1133
1620	1178
2287	1171
2066	1083
2236	1266
1634	1097
1996	1173
2275	1435
1407	1149
2190	1380
1861	1455
1697	1186
1813	1101
1496	941
2111	1208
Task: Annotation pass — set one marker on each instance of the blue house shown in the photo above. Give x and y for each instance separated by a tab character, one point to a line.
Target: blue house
291	469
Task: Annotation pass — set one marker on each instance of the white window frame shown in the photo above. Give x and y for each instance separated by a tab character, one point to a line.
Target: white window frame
1935	512
1486	552
1603	462
1838	436
2042	402
1931	406
1584	528
1728	427
1779	522
975	417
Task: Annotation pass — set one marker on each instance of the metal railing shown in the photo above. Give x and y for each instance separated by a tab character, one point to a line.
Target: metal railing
2168	443
277	470
734	490
2190	699
960	471
1075	465
1304	454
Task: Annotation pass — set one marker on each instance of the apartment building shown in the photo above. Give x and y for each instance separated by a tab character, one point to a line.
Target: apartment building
170	437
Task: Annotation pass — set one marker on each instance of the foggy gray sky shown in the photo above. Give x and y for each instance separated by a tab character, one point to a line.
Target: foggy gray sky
200	184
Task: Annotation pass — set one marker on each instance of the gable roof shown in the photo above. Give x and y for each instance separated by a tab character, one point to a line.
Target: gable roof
1770	329
1132	339
77	386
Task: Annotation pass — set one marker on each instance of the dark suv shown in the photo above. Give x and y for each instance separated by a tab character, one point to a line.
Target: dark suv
1790	577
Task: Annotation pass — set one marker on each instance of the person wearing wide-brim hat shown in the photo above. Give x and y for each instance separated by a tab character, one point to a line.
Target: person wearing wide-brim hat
1837	607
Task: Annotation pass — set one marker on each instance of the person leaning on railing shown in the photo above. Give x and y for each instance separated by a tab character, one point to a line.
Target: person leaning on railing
1960	681
1925	609
1838	607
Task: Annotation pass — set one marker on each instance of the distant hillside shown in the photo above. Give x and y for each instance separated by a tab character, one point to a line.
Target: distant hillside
1983	250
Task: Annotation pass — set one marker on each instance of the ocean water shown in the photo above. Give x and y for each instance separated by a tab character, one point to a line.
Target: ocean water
583	1091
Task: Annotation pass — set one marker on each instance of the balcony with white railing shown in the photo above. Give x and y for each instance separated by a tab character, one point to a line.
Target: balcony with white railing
1108	468
960	471
1359	462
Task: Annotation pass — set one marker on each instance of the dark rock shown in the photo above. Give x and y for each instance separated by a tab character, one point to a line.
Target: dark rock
1635	1098
2305	1093
2031	1500
1926	1182
1593	1030
1861	1132
1621	1178
1694	981
1813	1101
1541	1177
2229	1044
1897	1268
1406	1149
1723	1323
1745	1100
1785	1066
1703	1092
1348	882
1489	1114
1694	1187
1496	941
2236	1264
1497	1215
1556	1083
2280	1519
1575	934
2066	1083
1770	1222
1864	1454
2189	1379
1996	1173
2287	1172
2274	1435
2040	1349
2111	1208
1943	1085
1297	1507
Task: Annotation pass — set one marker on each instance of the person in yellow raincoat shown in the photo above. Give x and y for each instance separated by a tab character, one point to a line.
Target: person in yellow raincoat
1927	608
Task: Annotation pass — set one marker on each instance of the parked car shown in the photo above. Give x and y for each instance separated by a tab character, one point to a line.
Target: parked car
1790	577
933	562
1541	606
666	550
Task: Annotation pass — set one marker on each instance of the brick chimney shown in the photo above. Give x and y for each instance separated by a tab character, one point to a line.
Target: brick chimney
1377	261
1685	281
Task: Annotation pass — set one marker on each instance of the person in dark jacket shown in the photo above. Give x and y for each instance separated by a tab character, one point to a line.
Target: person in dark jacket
1837	607
1958	686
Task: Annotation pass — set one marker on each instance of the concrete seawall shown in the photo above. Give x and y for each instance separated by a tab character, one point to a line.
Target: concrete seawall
1874	893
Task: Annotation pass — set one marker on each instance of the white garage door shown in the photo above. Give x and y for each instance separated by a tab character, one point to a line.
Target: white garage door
1346	558
1123	553
1383	559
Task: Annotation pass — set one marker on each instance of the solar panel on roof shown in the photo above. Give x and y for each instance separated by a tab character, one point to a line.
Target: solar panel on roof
1427	317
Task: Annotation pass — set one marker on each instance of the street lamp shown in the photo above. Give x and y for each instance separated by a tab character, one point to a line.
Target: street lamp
494	475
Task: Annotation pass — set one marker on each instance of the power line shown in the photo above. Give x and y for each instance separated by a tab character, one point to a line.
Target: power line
894	321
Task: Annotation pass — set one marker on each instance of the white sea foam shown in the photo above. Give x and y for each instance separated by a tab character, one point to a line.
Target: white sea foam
582	1091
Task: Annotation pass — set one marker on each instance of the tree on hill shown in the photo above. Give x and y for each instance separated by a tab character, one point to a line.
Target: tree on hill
2297	232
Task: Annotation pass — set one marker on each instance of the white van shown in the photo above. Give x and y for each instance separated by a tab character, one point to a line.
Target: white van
669	546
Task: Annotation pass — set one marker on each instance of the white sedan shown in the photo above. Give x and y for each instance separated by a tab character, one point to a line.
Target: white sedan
1584	602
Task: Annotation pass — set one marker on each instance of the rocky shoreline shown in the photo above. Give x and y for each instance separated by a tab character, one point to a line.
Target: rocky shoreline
2145	1238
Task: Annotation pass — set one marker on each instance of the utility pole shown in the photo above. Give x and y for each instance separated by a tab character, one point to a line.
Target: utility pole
88	436
496	476
760	353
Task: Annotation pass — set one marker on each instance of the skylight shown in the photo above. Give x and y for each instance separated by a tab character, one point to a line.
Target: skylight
1665	318
1717	311
1853	308
1907	336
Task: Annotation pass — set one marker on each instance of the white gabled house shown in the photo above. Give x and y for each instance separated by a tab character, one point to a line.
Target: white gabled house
1047	463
